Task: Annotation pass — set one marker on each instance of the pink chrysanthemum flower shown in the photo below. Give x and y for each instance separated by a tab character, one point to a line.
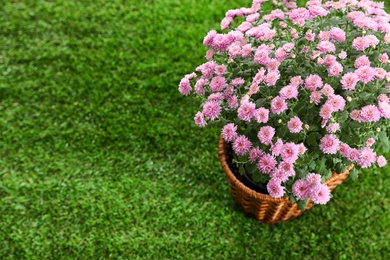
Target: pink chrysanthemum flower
266	163
210	54
211	110
296	81
294	125
337	34
262	56
228	92
215	96
383	58
279	175
383	98
335	70
199	120
277	14
326	46
199	90
370	113
298	15
237	81
208	40
232	101
333	128
300	189
329	144
276	147
355	115
384	109
275	189
246	50
317	10
365	74
344	149
342	55
312	82
217	83
353	154
362	61
370	142
287	168
245	26
324	36
281	54
241	145
272	77
372	40
261	115
289	152
327	90
310	36
336	102
252	17
255	154
301	149
265	134
272	64
229	132
221	42
253	89
226	22
234	50
313	179
326	111
185	87
289	92
329	60
260	76
288	46
207	69
294	34
381	161
360	43
366	157
315	97
387	38
245	111
278	105
321	195
349	81
380	73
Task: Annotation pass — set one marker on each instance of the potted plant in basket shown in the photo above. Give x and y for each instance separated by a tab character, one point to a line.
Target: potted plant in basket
301	95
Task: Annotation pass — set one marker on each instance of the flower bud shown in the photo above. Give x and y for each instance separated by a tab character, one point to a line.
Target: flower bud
349	99
378	129
306	126
280	121
293	55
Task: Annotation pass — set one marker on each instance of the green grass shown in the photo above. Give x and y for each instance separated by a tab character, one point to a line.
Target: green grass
100	157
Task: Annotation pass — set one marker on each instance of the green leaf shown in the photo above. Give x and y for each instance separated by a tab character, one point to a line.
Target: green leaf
312	139
302	204
241	170
354	174
384	141
340	168
342	116
321	167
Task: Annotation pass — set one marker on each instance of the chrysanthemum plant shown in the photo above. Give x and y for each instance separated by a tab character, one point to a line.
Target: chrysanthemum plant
298	92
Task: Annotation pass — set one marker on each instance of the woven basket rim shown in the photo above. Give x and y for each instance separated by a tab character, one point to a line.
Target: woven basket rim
230	175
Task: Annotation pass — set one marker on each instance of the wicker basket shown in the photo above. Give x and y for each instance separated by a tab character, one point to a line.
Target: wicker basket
261	206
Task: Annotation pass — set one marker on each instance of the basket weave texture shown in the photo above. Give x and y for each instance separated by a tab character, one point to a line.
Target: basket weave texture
262	206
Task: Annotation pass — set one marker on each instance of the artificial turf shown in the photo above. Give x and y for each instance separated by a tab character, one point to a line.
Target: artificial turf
100	157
